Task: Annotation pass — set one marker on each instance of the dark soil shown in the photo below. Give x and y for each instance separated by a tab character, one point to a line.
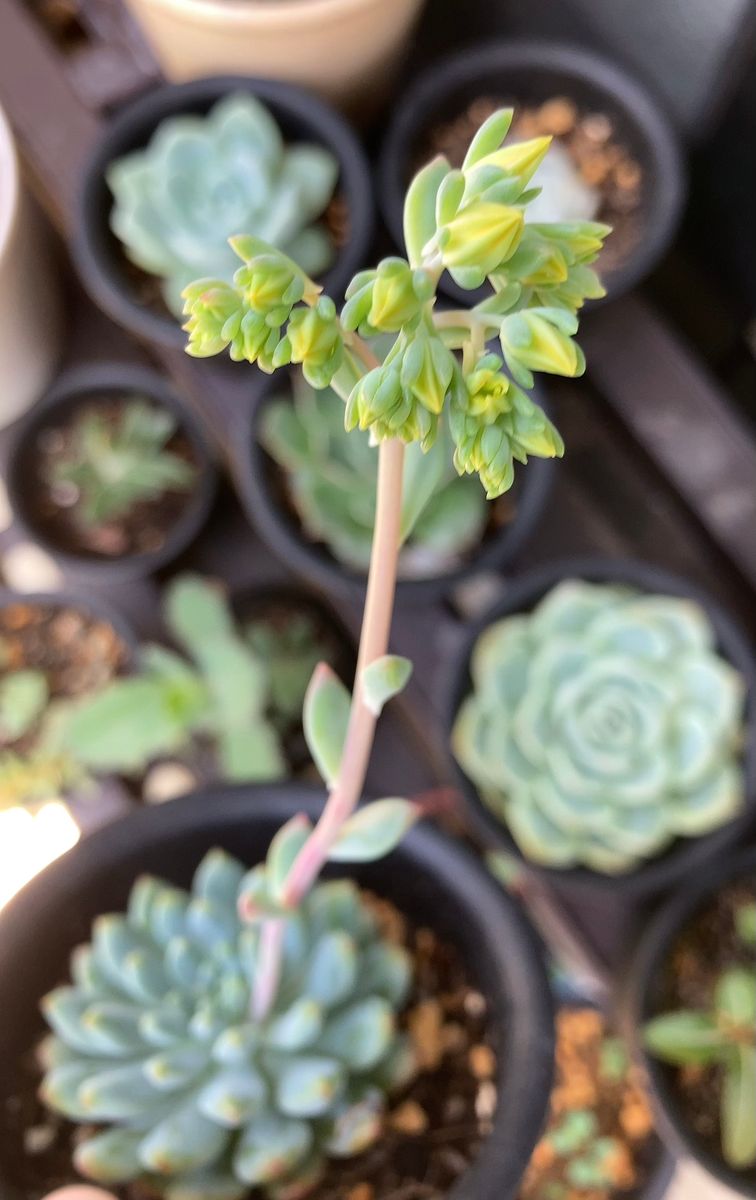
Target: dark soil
55	507
614	1097
78	653
591	141
432	1133
705	948
145	289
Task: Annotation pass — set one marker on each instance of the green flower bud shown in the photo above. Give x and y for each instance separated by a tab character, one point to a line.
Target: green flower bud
485	450
427	370
380	403
269	282
315	341
215	311
521	159
539	340
394	302
531	430
488	389
482	235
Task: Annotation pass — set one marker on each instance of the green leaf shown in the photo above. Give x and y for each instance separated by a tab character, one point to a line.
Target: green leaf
421	479
685	1037
374	830
196	611
23	696
745	923
308	1086
489	137
420	208
284	850
738	1116
735	997
383	679
250	755
325	720
126	726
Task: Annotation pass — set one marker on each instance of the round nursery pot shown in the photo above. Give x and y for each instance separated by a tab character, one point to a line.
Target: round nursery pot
30	314
685	856
347	50
531	73
261	486
35	507
644	998
99	256
430	878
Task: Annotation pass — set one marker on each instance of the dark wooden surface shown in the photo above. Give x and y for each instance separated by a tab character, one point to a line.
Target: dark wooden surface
658	466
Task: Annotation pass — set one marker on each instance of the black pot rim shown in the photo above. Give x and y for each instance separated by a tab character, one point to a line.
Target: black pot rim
685	856
287	540
63	396
649	959
610	80
100	268
511	964
91	604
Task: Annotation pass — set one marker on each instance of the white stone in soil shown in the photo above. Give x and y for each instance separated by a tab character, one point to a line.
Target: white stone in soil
565	195
27	568
167	781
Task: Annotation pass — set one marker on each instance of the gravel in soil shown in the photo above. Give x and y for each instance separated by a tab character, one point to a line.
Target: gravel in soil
593	144
77	652
596	1088
431	1134
143	529
708	946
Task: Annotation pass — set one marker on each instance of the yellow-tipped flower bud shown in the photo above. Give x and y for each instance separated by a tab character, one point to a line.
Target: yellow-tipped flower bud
394	302
482	235
521	159
538	340
488	389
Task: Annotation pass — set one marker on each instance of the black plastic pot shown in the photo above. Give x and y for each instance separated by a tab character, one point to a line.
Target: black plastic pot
430	878
686	856
98	254
643	998
79	387
279	527
535	71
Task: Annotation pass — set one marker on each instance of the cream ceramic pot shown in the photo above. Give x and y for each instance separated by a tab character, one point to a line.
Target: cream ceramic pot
344	49
30	318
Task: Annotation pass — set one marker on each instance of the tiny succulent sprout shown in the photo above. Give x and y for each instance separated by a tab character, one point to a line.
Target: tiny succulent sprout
331	476
23	698
602	725
119	461
154	1040
722	1036
202	179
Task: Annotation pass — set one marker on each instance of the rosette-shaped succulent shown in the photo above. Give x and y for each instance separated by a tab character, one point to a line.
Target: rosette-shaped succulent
203	179
331	476
155	1039
602	725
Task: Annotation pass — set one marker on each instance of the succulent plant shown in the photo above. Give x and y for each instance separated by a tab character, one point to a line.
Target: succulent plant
224	692
723	1036
202	179
291	649
155	1038
602	725
331	477
117	462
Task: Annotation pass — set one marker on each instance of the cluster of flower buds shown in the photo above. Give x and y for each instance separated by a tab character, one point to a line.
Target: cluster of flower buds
552	265
386	299
260	319
495	424
405	395
540	339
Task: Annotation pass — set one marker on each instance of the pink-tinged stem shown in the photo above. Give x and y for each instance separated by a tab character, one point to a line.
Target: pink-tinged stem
374	639
347	789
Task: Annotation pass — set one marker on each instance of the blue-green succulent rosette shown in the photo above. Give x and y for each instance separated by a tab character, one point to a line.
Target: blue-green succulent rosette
603	725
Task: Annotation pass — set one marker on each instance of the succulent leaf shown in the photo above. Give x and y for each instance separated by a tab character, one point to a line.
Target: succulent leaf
325	719
374	831
383	679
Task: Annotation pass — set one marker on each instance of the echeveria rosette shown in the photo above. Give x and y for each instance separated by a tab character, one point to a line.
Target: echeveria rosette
602	725
154	1039
202	179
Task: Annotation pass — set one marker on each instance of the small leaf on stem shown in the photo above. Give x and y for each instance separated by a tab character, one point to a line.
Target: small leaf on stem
383	679
374	830
325	719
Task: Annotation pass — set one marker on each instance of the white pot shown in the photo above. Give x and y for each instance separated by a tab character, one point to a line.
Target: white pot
344	49
30	316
